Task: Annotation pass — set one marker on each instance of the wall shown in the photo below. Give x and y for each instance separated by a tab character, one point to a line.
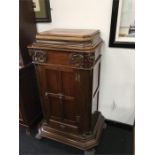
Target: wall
117	72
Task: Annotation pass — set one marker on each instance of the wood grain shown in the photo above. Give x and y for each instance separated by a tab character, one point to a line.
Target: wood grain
69	86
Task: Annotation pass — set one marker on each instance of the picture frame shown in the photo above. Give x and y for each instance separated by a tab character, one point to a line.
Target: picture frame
122	29
42	10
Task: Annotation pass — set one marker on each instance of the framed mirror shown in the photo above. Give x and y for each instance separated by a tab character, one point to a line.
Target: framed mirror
122	30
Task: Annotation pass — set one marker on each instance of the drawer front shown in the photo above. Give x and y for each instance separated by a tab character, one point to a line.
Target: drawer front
72	59
61	58
63	127
50	57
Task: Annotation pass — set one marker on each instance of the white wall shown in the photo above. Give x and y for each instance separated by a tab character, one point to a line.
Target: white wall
117	72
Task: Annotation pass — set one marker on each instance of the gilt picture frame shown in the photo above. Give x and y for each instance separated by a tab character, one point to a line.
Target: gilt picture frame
42	10
122	29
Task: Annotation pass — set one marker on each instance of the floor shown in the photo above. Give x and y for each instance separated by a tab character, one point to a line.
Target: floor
116	140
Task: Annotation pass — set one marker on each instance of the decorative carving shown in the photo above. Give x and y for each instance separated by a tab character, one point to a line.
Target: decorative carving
77	59
82	60
38	56
89	60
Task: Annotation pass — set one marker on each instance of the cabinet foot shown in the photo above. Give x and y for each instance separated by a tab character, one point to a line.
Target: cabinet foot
90	152
38	135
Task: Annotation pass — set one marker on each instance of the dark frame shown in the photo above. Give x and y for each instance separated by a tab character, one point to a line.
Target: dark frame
47	12
112	41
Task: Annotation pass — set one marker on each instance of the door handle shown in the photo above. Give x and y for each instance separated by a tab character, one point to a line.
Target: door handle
46	93
61	96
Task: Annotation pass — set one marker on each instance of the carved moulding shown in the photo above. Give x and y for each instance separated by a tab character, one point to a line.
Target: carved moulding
82	60
38	56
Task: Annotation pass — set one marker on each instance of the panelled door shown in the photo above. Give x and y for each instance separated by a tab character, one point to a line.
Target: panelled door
58	88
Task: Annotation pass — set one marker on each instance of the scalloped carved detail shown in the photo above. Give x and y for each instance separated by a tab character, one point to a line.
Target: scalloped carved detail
82	60
38	56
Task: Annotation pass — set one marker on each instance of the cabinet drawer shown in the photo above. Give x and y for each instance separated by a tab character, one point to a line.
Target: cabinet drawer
63	127
61	58
66	58
49	57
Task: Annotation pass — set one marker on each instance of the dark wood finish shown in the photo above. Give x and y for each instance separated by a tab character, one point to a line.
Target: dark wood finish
112	41
29	102
27	28
69	85
83	141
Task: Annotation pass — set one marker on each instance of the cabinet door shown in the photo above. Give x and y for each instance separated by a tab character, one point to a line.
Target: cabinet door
58	88
70	105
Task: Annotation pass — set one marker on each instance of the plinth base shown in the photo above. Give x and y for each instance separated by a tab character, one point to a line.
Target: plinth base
83	142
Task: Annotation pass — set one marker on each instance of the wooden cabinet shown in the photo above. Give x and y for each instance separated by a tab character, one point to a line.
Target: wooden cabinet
60	90
68	70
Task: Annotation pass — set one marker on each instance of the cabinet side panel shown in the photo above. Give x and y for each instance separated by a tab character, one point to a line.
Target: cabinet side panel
95	103
96	77
84	98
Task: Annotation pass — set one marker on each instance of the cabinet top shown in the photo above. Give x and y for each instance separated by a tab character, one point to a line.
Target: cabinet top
68	39
68	34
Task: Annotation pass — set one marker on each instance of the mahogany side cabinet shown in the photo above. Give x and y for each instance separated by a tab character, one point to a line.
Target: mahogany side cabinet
67	63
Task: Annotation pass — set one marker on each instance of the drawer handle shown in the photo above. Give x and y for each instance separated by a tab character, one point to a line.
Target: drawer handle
61	96
46	93
62	126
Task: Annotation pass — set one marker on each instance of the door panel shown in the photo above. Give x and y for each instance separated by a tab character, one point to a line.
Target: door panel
59	89
55	108
70	106
52	81
70	111
68	83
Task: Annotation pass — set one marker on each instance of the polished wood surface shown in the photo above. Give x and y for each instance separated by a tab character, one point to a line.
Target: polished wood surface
68	79
77	40
68	34
29	102
80	141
